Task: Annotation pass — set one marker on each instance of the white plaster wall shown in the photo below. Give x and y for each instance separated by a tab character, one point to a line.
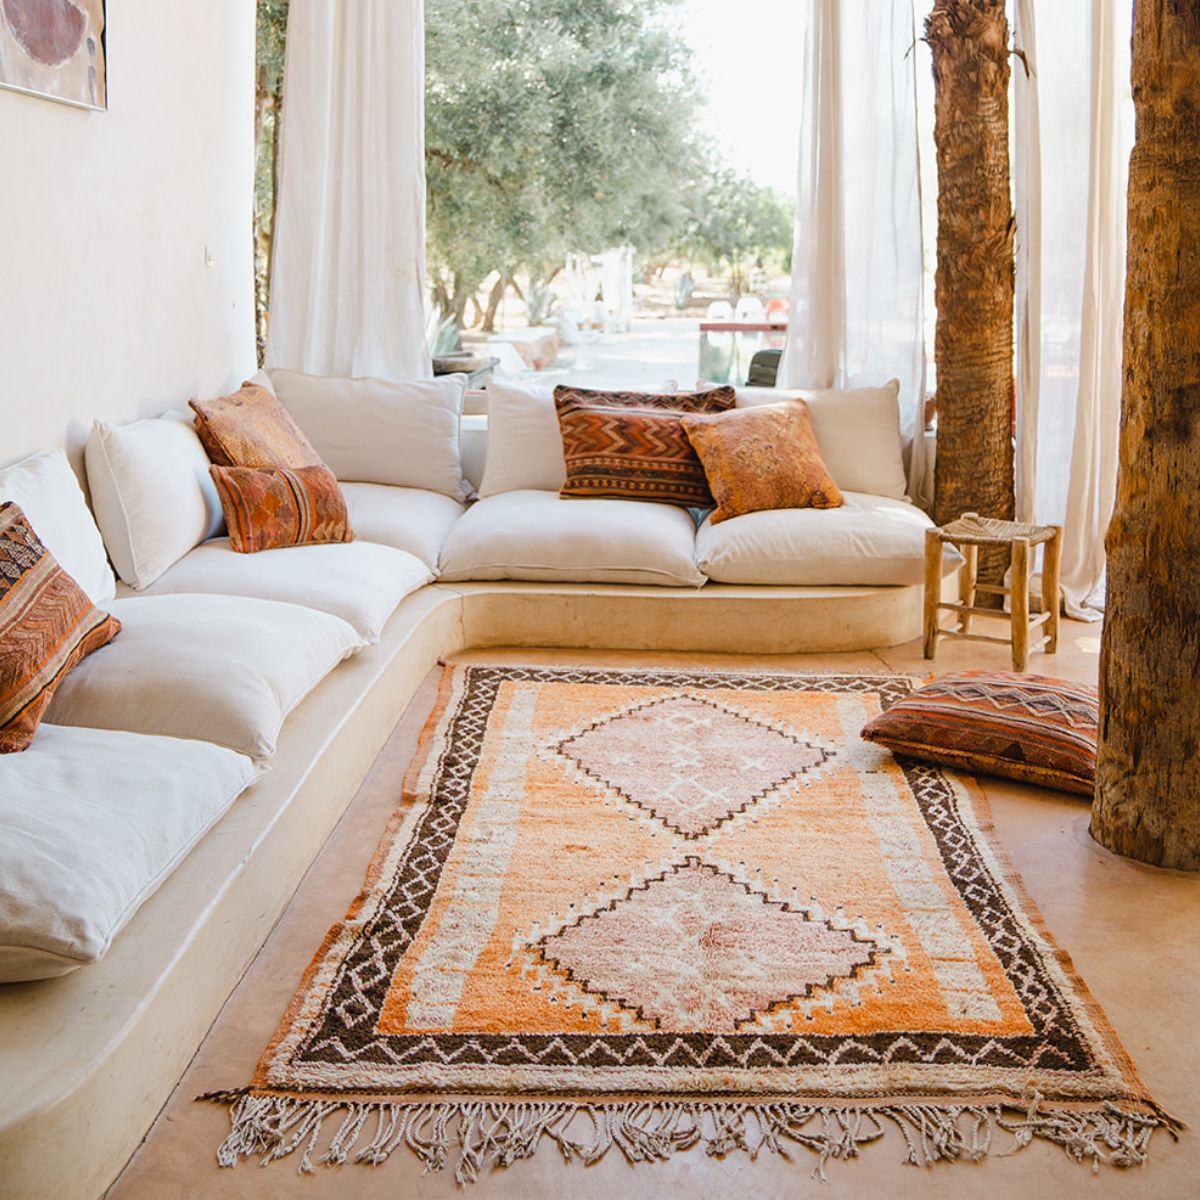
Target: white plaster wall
106	305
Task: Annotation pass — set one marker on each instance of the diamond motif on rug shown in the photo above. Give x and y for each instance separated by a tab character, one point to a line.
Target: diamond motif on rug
690	762
693	948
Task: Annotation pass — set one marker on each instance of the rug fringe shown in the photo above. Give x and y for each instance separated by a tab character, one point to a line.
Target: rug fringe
486	1133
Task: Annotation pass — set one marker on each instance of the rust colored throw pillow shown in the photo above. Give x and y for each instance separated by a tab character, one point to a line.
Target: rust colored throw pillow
250	428
266	509
631	445
47	626
762	458
1028	727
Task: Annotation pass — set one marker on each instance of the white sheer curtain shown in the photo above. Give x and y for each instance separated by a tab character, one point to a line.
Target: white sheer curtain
347	282
857	289
1073	131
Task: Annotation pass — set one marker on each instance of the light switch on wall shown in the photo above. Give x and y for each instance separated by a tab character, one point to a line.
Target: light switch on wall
210	259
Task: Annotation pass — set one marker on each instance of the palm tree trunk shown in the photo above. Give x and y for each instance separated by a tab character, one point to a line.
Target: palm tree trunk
1147	803
974	281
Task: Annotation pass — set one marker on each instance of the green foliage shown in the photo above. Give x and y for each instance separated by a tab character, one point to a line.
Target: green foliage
270	39
551	126
733	220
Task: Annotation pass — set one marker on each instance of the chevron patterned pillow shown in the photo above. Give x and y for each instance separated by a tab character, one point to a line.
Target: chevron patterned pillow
631	445
47	626
1028	727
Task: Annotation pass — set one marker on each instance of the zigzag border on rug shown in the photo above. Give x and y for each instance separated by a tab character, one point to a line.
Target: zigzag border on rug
488	1134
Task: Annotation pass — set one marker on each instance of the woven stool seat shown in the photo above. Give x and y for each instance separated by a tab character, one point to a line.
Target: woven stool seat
968	533
990	531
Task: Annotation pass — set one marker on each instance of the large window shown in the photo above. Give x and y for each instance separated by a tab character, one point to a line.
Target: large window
605	177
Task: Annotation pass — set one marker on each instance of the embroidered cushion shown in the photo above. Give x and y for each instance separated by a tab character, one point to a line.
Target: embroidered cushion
524	442
1028	727
250	428
265	508
757	459
632	446
47	626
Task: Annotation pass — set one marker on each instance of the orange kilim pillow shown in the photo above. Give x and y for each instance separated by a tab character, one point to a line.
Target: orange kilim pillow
47	626
761	458
250	428
266	509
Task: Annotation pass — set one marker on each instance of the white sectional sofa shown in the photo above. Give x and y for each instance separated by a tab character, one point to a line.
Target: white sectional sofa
186	774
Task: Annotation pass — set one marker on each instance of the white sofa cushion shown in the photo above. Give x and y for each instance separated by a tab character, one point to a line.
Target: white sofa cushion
524	443
858	431
94	820
152	494
407	518
374	431
358	581
221	669
536	535
50	496
869	540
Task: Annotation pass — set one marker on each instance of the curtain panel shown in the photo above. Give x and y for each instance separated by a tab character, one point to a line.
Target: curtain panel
1073	132
857	295
348	275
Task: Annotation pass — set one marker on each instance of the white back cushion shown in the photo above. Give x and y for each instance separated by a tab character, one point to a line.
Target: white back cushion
524	443
857	429
94	821
46	489
373	431
153	495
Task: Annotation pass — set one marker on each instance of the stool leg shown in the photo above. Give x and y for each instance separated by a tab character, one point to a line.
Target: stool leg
966	584
1020	603
933	588
1051	600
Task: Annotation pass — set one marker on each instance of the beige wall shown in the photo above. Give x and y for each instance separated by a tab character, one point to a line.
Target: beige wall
106	305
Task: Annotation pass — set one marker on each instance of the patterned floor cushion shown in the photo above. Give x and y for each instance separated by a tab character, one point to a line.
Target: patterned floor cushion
1028	727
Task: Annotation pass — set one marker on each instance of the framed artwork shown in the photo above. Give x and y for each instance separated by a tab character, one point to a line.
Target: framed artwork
55	49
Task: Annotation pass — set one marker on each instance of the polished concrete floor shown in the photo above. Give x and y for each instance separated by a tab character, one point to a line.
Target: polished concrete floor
1133	932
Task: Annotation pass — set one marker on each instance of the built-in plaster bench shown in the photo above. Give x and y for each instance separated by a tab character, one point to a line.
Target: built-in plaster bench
89	1057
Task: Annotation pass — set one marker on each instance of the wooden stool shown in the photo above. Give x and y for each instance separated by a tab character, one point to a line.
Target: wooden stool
968	533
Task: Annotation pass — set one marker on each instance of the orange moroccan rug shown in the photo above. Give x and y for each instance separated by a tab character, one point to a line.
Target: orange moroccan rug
654	909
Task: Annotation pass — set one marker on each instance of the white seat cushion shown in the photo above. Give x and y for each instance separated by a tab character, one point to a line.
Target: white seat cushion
869	540
409	519
50	496
358	581
222	669
539	536
376	431
152	492
94	821
857	430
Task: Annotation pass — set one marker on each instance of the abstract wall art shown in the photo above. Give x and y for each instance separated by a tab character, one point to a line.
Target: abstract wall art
55	49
